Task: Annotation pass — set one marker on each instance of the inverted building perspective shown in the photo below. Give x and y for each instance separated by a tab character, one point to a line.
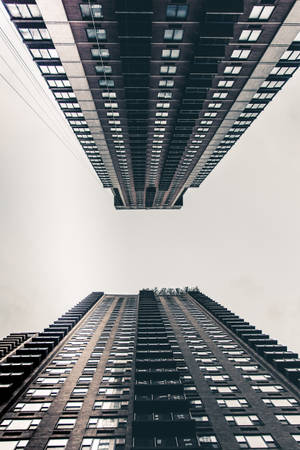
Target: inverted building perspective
168	369
158	91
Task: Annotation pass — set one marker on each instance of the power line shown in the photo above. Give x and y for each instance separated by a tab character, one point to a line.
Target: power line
21	61
36	83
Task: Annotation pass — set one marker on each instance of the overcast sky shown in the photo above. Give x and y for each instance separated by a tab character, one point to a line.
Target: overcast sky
236	237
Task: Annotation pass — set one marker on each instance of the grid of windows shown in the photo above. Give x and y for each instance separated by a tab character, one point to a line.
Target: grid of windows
183	357
202	70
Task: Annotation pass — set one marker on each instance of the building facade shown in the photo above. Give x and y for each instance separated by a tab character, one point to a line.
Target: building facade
158	91
148	371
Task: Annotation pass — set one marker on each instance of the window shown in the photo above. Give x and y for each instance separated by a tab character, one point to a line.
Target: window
170	53
240	360
164	442
106	82
173	35
256	441
65	423
96	34
42	392
23	11
50	380
52	70
19	424
264	95
215	105
166	83
79	392
110	391
61	84
114	122
240	54
177	11
296	437
234	70
164	105
103	69
224	389
35	34
208	441
225	83
280	402
243	421
291	55
248	115
161	114
255	106
91	11
44	53
69	115
210	368
164	94
109	405
245	123
196	404
13	445
247	368
98	422
233	403
290	419
261	12
190	389
32	407
56	444
217	378
268	389
235	352
112	114
77	122
250	35
168	69
73	406
100	53
61	95
272	84
220	94
101	443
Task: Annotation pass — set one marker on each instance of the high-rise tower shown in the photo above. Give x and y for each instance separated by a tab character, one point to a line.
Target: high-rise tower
150	371
158	91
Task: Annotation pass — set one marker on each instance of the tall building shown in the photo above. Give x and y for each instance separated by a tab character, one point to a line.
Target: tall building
148	371
158	91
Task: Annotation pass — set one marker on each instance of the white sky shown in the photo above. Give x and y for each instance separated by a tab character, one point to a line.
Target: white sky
237	236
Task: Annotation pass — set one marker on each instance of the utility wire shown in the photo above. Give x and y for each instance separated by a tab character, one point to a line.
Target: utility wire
20	60
36	83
